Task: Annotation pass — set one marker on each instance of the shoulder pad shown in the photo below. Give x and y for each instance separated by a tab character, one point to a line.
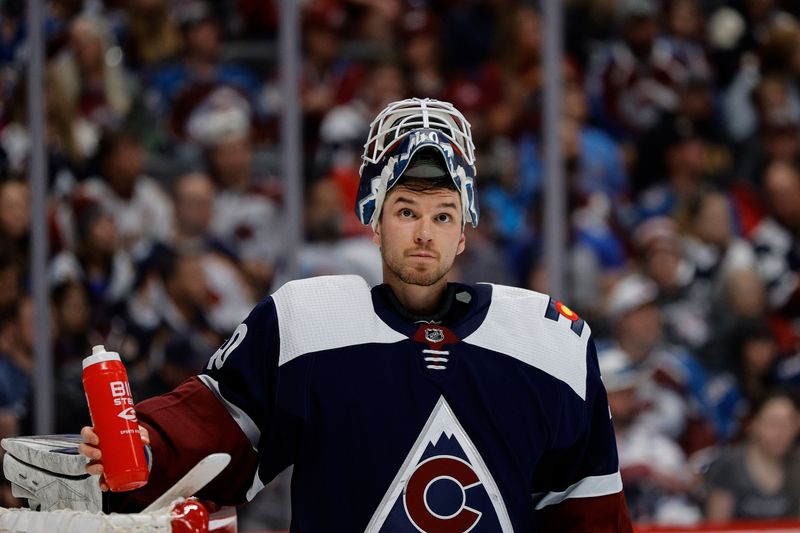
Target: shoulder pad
536	330
325	313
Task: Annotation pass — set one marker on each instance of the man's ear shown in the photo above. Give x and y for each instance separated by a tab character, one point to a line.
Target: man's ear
376	235
462	243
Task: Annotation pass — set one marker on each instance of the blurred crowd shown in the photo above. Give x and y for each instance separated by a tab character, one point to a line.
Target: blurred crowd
681	135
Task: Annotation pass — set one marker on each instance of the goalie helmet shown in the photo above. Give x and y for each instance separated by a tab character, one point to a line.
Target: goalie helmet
414	137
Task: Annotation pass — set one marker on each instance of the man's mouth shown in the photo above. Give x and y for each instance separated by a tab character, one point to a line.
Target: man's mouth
422	255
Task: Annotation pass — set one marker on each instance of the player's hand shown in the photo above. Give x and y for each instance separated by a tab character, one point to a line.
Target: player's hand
89	448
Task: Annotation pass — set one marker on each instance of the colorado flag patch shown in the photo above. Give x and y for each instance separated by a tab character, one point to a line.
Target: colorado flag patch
443	485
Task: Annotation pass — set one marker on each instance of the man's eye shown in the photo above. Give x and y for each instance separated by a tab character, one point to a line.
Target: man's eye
444	217
406	213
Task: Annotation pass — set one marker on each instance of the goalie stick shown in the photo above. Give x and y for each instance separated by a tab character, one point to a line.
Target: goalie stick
194	480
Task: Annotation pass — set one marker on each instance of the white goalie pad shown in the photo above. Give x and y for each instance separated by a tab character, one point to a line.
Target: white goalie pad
64	521
64	498
50	473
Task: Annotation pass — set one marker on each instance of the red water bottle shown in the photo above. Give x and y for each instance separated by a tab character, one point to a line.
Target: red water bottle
108	394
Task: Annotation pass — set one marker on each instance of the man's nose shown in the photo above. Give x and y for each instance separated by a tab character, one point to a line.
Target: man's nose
423	231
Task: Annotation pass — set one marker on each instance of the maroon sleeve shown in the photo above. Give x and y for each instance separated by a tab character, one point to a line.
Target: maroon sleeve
186	425
600	514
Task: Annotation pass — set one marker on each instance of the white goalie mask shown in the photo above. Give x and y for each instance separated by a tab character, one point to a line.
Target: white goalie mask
397	134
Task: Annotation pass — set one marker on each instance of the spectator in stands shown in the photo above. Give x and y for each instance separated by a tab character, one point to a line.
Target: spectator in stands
505	203
327	78
99	261
89	70
16	365
634	80
754	355
12	13
73	322
679	404
142	211
740	301
183	357
761	88
152	36
749	481
375	22
422	54
686	166
654	469
748	366
246	215
16	345
232	296
517	83
711	243
696	112
469	30
775	238
780	142
11	276
15	219
594	160
343	128
684	28
200	62
327	251
75	333
172	299
193	196
71	139
777	114
597	186
664	261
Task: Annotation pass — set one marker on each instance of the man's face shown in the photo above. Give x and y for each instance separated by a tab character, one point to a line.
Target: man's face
782	184
419	234
233	161
623	405
125	165
642	329
15	209
194	203
189	284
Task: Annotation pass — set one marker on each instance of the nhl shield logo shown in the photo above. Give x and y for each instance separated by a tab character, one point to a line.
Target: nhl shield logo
434	335
444	485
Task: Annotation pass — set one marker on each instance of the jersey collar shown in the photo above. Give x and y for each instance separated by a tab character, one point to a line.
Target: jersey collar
462	309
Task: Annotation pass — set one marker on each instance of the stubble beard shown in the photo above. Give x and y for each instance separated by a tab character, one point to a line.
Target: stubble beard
412	276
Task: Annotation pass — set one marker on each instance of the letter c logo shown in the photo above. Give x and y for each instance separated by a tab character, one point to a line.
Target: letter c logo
453	477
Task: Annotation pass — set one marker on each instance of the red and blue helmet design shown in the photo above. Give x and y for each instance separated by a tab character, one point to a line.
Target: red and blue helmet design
401	130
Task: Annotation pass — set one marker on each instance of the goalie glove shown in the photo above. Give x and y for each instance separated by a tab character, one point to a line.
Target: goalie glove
50	473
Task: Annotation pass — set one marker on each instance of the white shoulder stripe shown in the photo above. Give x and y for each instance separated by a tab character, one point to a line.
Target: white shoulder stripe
588	487
242	419
325	313
516	326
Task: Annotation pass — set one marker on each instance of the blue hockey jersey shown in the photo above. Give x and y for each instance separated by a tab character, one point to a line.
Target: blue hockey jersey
491	419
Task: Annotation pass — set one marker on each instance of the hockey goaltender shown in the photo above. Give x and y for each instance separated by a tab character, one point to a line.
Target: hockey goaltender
416	405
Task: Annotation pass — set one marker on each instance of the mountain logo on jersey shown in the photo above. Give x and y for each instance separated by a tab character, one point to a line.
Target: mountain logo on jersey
443	485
